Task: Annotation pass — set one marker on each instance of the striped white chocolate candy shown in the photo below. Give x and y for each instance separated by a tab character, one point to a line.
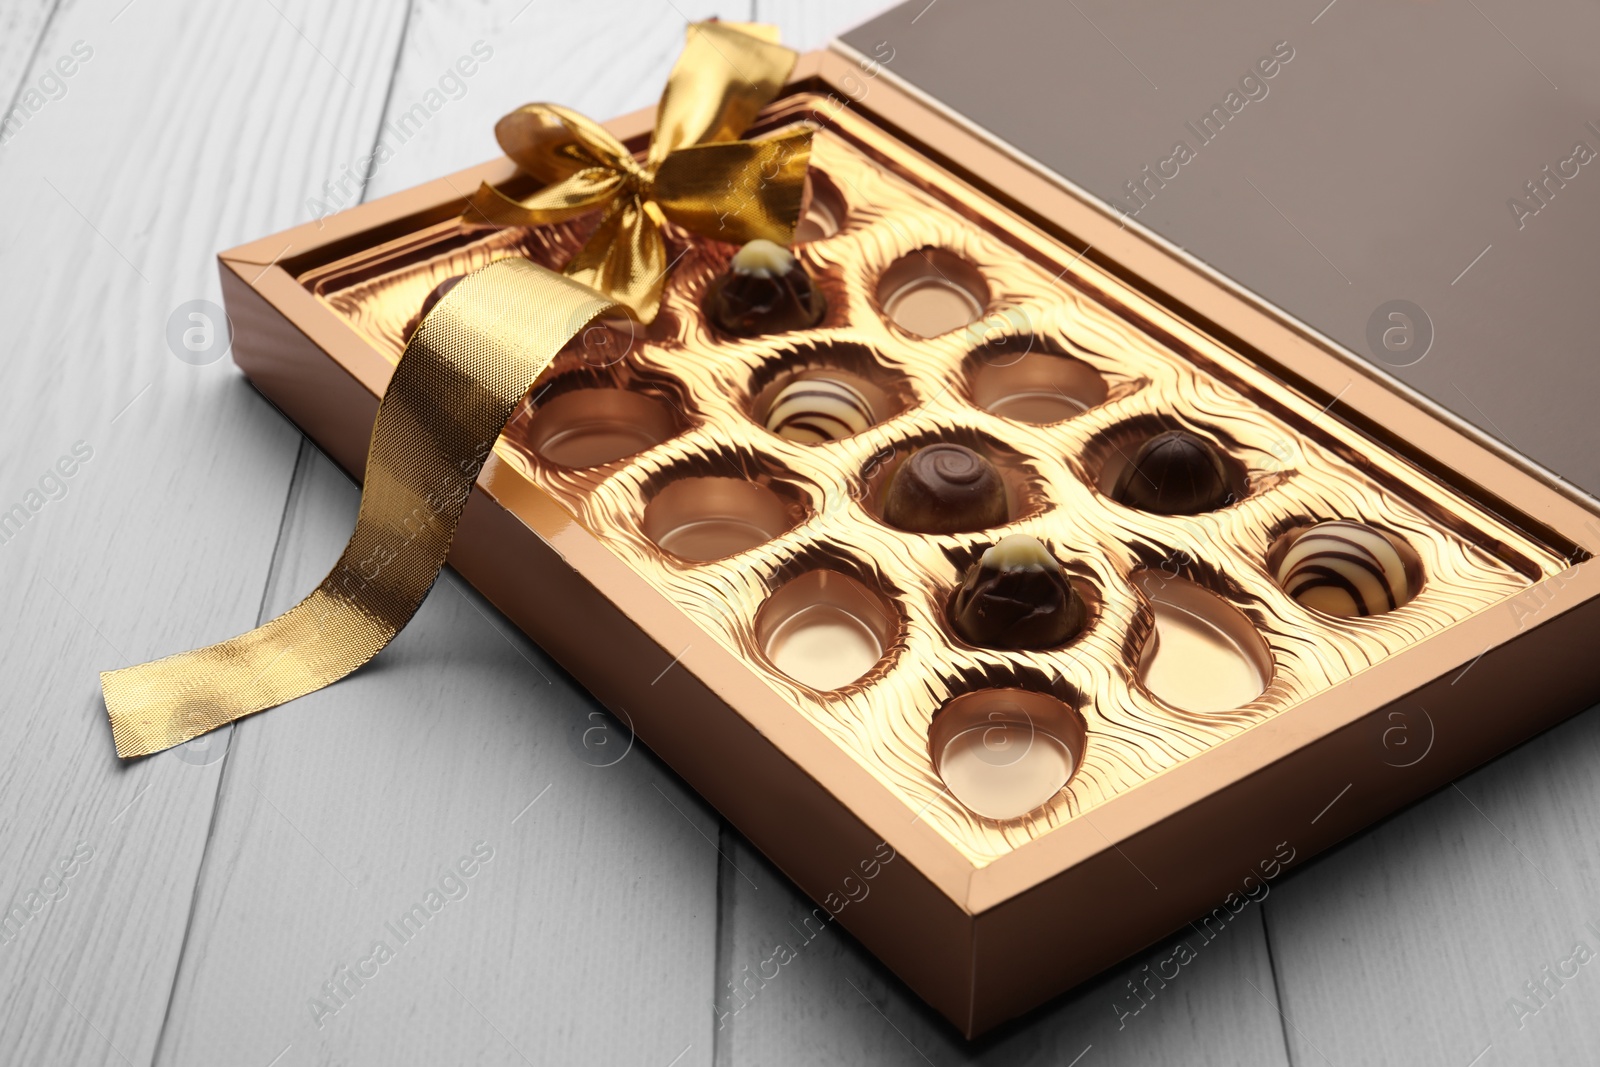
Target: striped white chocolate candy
1345	568
812	410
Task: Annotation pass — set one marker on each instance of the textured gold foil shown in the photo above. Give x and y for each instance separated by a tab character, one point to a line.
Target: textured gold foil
1297	464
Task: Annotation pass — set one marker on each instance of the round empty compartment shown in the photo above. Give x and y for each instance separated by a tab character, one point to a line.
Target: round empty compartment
1006	752
822	210
932	291
702	519
588	427
824	629
1202	655
1036	387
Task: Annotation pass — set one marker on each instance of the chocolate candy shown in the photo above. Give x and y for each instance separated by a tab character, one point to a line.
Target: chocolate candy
1346	569
945	488
765	290
813	410
1175	473
1016	596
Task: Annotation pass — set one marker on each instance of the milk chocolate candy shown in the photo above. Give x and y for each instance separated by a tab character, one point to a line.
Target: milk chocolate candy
945	488
1016	596
765	290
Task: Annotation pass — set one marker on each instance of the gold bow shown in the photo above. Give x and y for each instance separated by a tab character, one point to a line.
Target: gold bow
695	174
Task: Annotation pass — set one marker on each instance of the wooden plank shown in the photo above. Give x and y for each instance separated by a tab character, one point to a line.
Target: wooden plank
602	58
590	935
341	811
22	27
831	1002
1428	928
162	537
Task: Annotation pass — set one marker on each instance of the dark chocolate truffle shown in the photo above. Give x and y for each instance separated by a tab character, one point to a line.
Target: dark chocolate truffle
1016	596
1346	569
1175	473
945	488
766	290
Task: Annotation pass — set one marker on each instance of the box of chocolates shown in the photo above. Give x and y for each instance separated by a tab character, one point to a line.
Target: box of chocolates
1036	584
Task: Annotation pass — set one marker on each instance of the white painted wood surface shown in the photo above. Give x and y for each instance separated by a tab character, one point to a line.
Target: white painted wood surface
215	889
189	129
21	30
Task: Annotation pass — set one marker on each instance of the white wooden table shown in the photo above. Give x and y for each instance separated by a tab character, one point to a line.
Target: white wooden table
221	902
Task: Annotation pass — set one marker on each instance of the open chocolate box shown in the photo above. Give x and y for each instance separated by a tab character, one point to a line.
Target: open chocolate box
739	598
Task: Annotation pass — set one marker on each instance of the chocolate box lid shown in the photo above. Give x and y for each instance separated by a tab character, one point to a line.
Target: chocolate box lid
1419	182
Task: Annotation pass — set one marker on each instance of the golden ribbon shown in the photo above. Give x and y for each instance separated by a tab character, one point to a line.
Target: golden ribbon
475	356
463	373
695	173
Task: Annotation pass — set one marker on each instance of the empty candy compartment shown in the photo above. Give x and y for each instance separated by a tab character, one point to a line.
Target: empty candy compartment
825	629
1006	752
1202	654
590	427
1022	379
932	291
822	209
708	518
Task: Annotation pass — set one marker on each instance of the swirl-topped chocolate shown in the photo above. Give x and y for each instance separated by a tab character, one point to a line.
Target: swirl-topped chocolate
945	488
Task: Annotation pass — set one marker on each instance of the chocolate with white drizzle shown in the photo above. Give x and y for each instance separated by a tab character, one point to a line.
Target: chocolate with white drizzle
1016	596
1346	569
816	409
765	290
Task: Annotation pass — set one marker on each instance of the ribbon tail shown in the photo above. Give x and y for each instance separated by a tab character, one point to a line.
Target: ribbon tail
462	375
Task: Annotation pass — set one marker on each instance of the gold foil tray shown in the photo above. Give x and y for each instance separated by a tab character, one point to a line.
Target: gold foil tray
1052	368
